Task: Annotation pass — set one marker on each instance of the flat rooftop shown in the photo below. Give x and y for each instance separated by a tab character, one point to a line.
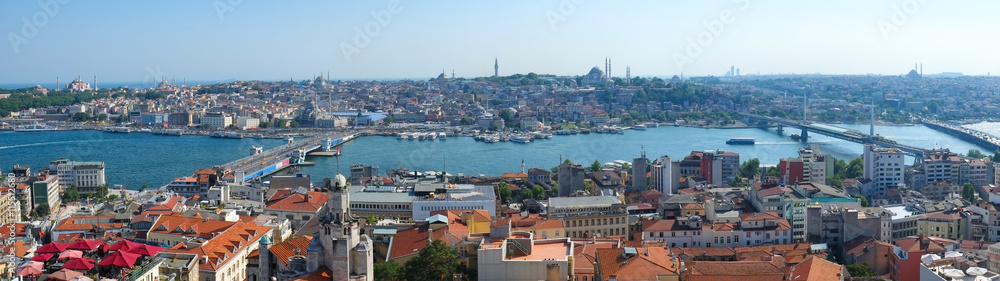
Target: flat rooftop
548	250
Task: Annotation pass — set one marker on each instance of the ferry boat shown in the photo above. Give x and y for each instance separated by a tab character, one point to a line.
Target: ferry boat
653	125
34	127
224	135
443	135
168	132
639	127
6	127
740	141
145	130
520	139
119	130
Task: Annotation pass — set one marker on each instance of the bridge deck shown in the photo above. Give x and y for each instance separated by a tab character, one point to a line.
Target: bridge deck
850	135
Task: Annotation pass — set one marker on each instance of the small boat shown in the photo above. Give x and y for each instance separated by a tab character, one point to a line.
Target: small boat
411	136
639	127
145	131
117	130
168	132
34	127
401	136
443	135
653	125
520	139
741	141
431	136
224	135
585	131
6	127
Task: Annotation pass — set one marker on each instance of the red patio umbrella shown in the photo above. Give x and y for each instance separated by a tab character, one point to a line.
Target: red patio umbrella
31	268
84	245
42	257
52	248
145	250
64	274
119	259
71	254
123	245
80	264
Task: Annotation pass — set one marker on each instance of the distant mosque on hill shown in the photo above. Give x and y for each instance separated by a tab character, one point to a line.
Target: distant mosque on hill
596	77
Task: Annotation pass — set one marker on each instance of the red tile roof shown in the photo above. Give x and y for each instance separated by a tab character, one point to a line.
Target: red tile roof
286	249
192	227
815	269
224	246
737	270
70	224
289	200
648	264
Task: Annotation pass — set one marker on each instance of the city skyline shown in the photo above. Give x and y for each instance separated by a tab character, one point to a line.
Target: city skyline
220	40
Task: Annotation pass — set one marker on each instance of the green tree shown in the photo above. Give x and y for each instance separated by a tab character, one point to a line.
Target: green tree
42	210
596	166
293	124
855	169
101	193
527	193
750	168
969	193
861	270
738	181
265	125
589	187
206	126
112	197
772	172
507	116
435	261
504	190
567	161
388	271
539	192
72	194
975	153
862	200
371	220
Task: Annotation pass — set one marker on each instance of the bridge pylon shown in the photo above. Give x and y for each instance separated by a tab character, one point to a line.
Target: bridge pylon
805	135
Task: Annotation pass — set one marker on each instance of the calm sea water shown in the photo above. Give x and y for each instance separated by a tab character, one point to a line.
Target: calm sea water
136	159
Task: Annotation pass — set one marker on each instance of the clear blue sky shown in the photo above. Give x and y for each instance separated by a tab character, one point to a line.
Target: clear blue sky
276	40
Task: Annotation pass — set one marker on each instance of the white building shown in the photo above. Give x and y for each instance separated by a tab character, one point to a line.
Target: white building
86	176
884	166
665	175
753	229
590	216
245	123
217	120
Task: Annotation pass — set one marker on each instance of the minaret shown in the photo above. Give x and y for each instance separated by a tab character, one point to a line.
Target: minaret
452	73
95	83
628	75
496	67
57	83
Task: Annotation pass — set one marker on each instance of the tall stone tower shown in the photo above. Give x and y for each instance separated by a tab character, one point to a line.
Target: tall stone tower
340	246
265	258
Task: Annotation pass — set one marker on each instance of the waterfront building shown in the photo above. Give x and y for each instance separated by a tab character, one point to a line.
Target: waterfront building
665	175
86	176
590	216
150	119
217	120
298	205
182	119
360	173
570	177
46	191
246	123
884	167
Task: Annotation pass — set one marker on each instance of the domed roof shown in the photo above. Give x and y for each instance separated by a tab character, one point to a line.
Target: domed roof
340	180
596	71
266	240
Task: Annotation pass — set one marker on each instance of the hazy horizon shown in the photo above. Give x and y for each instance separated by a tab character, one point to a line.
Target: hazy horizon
222	40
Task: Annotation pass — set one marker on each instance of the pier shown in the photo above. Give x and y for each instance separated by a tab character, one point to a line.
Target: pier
273	160
973	136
